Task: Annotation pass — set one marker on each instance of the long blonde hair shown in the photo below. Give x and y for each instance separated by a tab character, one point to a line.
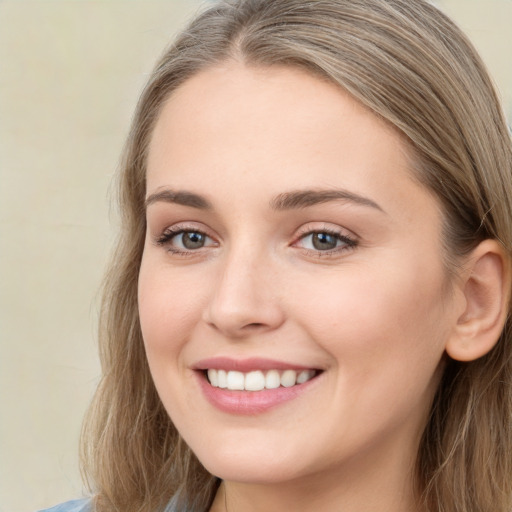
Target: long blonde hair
411	66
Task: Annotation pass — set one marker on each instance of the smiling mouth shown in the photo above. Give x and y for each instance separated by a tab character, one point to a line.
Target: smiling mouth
258	380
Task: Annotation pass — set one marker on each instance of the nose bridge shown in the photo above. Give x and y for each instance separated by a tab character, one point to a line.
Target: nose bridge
245	297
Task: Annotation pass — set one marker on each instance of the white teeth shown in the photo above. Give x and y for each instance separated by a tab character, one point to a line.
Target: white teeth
257	380
236	381
213	378
288	378
304	376
222	379
254	381
272	379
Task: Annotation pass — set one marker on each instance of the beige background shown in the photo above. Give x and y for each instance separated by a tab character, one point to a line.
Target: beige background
70	73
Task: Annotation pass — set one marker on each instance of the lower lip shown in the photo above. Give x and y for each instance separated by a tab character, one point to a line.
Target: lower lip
251	402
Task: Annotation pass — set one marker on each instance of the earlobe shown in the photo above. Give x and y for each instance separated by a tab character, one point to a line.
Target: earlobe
486	288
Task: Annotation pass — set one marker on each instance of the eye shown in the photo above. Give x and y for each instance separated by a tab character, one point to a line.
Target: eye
190	240
323	241
326	241
184	240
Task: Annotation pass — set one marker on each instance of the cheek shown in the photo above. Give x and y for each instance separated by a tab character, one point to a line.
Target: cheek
379	327
387	344
169	310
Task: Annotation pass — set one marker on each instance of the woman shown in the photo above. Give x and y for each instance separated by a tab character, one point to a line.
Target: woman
309	303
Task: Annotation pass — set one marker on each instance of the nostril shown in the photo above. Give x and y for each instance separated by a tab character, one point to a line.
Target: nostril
254	326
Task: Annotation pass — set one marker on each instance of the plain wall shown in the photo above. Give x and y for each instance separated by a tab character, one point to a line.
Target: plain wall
70	74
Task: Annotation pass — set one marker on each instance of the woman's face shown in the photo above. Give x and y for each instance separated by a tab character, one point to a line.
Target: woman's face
288	245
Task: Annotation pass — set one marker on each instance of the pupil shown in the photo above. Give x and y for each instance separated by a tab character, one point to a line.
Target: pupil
193	240
324	241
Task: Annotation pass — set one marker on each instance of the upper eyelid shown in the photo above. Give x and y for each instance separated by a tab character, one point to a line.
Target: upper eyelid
325	227
166	234
303	231
180	227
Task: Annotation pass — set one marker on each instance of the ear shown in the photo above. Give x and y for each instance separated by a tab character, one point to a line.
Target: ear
486	288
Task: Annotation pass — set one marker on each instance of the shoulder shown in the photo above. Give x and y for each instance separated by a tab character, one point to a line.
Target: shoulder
83	505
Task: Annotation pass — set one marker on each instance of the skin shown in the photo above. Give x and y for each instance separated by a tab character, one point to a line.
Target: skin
375	317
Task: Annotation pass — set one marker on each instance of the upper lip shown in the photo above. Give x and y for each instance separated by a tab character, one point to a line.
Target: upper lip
247	365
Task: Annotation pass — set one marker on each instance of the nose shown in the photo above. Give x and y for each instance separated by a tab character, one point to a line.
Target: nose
245	300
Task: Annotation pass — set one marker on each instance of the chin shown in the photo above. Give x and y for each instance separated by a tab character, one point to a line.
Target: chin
250	472
255	464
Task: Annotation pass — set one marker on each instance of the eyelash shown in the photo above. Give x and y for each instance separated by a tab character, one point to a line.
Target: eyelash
165	239
170	233
348	242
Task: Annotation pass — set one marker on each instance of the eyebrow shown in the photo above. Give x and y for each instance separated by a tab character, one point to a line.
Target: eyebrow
305	198
182	197
295	199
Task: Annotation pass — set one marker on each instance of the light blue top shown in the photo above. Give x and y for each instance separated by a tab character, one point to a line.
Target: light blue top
71	506
84	505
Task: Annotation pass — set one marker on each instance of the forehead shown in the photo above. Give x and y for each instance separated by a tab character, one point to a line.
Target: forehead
269	129
253	93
